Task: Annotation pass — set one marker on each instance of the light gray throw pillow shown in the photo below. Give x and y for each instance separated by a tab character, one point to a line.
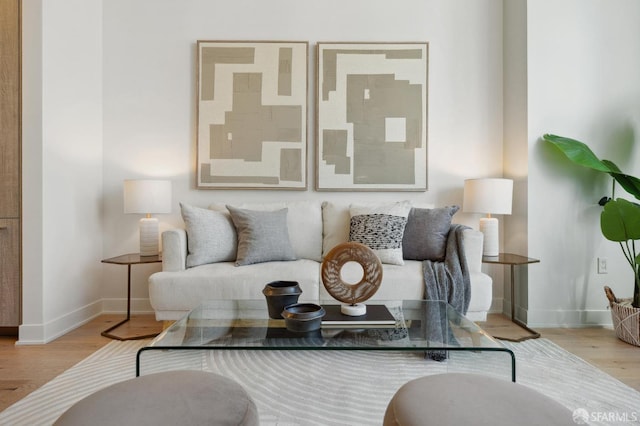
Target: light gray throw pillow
263	236
211	236
425	236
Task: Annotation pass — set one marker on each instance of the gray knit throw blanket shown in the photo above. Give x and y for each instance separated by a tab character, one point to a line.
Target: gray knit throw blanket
447	281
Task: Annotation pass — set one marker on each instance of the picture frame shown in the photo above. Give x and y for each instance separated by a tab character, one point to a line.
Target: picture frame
371	116
252	113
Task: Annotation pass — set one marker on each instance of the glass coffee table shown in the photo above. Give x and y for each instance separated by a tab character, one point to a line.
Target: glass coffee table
433	327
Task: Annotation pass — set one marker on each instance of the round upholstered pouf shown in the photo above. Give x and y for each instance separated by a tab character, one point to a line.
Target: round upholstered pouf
169	398
472	399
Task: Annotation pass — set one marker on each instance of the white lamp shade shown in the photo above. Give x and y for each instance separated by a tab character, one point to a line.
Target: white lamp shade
146	196
488	195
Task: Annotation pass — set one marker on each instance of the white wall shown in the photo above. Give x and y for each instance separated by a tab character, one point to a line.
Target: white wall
62	163
111	96
583	68
515	157
32	173
149	101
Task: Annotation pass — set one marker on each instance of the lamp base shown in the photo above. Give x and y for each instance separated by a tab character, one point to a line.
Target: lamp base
149	245
490	228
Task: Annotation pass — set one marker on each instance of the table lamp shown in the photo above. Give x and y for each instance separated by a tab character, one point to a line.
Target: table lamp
143	196
490	196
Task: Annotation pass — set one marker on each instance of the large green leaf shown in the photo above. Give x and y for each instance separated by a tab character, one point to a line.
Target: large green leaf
579	153
620	220
631	184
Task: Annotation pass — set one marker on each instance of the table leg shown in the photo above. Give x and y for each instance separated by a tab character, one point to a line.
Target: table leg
129	292
107	332
532	333
513	293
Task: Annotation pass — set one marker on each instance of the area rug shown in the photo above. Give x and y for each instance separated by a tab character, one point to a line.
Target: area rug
339	387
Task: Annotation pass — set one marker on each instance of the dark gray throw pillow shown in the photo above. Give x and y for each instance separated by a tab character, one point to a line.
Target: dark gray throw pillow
263	236
425	236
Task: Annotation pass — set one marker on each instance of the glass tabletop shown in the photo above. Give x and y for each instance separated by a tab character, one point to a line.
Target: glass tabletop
245	324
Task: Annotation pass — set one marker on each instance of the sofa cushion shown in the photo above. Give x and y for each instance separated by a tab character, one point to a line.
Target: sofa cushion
304	221
381	228
211	236
425	236
263	236
175	293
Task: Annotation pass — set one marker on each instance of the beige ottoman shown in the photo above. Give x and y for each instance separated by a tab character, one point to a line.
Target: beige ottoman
170	398
471	399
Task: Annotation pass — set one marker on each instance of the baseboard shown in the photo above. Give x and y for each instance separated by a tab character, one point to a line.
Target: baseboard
38	334
554	318
567	319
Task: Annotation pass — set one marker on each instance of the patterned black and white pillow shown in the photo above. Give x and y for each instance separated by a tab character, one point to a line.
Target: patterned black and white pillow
381	228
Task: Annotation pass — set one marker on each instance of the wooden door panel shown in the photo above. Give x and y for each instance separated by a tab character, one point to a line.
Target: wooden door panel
9	272
9	108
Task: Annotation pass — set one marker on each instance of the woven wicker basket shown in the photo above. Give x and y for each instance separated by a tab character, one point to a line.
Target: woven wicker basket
626	318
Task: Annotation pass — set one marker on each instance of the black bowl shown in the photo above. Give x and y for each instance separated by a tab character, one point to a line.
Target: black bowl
303	317
280	294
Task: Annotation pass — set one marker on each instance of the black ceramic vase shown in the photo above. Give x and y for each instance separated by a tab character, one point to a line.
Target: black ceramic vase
303	317
280	294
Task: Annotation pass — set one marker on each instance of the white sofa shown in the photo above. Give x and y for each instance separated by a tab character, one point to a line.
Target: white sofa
314	228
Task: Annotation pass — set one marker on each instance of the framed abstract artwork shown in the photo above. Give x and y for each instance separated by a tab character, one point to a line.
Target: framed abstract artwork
252	115
371	122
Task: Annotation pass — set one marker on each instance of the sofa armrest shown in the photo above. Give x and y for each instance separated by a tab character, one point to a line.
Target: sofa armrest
174	250
472	241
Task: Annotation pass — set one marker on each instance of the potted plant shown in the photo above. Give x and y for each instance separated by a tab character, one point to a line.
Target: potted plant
619	222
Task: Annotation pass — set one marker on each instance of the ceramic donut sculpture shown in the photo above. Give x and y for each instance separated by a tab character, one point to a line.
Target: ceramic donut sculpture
337	258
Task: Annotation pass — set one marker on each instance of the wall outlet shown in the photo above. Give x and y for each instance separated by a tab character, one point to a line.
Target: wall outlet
602	265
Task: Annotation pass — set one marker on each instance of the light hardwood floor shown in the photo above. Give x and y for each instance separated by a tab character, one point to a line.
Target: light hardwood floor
25	368
597	345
